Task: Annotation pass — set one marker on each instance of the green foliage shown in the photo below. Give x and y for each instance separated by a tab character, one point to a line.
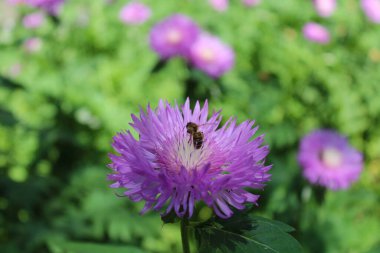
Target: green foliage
58	116
245	233
80	247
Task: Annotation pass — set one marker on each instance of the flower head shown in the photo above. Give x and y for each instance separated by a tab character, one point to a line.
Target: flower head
251	3
33	20
135	13
15	2
170	169
325	8
371	9
219	5
50	6
211	55
327	159
32	45
316	33
173	36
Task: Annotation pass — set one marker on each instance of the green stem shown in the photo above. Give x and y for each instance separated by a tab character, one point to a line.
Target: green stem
185	235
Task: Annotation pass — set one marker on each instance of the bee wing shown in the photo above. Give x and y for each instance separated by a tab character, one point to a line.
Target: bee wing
209	125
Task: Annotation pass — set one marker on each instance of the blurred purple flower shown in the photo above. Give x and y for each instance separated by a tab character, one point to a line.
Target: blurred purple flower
15	2
316	33
211	55
51	6
325	8
173	36
219	5
371	9
33	20
251	2
32	45
135	13
327	159
166	170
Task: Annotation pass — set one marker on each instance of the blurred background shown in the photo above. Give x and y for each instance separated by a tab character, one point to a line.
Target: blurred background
68	85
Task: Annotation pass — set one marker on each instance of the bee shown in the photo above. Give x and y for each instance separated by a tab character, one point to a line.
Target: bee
198	139
197	136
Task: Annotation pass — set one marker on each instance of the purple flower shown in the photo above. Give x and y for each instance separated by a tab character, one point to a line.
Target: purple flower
170	169
33	45
135	13
327	159
211	55
371	9
173	36
50	6
15	2
325	8
251	2
33	20
219	5
316	33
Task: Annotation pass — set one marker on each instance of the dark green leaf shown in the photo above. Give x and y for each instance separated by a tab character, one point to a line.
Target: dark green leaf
375	249
245	233
84	247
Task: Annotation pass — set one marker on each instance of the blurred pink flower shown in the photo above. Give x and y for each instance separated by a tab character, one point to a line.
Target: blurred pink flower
251	2
316	33
219	5
211	55
33	20
51	6
33	45
327	159
14	2
371	9
173	36
325	8
135	13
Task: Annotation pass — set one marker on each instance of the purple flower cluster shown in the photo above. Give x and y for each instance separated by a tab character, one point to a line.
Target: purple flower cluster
33	20
372	9
50	6
324	8
32	45
316	33
168	170
174	36
219	5
251	3
209	50
135	13
327	159
222	5
178	35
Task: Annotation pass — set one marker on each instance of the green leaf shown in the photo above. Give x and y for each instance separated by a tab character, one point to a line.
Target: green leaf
375	249
84	247
245	233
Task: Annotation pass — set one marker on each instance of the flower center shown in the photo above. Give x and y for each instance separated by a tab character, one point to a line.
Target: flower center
174	36
188	156
207	54
331	157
